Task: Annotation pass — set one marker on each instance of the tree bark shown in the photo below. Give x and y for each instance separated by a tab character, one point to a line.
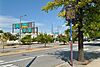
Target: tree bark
80	38
80	45
45	44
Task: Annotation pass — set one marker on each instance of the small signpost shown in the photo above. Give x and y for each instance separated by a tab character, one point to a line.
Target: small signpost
70	14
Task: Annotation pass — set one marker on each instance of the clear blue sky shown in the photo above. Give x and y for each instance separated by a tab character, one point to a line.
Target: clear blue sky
10	10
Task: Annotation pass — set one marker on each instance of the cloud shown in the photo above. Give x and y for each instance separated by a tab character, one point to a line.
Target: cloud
7	21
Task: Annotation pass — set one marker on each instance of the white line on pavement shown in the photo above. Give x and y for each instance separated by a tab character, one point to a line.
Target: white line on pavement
97	50
44	55
9	65
85	49
16	60
1	61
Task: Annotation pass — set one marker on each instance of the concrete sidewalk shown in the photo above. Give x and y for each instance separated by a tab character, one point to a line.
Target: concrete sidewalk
66	64
94	63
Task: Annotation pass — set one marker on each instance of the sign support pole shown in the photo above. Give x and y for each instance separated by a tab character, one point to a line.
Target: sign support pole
71	43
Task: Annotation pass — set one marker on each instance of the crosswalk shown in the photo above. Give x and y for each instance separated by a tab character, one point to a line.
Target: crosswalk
7	65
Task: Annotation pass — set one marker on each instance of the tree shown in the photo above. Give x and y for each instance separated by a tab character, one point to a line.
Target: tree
34	39
44	38
74	35
63	38
13	37
3	38
1	31
26	40
84	9
50	38
10	36
39	38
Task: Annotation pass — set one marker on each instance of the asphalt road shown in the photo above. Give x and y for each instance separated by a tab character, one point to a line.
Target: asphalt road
47	58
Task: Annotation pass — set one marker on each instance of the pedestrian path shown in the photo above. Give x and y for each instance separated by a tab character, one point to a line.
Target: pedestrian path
7	65
95	63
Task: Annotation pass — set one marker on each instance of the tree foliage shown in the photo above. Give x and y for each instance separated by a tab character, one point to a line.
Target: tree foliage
87	17
4	37
44	38
91	13
26	40
63	38
1	31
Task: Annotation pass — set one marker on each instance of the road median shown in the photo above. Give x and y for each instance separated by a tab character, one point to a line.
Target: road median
28	50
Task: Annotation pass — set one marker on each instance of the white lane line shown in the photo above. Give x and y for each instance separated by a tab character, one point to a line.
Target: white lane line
68	49
65	49
1	61
44	55
85	49
9	65
41	55
75	48
97	50
16	60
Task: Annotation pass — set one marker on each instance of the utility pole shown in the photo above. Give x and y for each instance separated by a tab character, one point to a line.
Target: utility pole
37	30
20	24
12	28
52	29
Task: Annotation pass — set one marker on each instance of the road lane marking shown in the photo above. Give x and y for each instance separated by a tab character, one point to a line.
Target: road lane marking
64	49
16	60
9	65
85	49
43	55
1	61
97	50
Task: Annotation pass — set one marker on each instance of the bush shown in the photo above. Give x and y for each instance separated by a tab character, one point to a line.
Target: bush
26	40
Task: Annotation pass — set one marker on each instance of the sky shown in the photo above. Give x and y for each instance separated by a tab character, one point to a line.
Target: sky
11	10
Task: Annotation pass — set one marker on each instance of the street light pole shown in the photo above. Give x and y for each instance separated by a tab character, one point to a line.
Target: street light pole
20	24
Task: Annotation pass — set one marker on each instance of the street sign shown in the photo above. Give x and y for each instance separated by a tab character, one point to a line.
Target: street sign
56	33
24	25
29	30
17	26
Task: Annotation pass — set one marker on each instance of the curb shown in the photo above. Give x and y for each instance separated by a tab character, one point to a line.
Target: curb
63	65
9	46
28	50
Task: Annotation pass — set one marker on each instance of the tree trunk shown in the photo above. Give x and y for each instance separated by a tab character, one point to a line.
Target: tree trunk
45	44
80	37
3	46
80	45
